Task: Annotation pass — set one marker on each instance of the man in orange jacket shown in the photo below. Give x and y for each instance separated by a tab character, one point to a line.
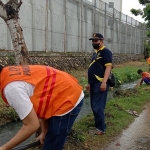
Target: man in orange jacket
145	77
147	58
37	91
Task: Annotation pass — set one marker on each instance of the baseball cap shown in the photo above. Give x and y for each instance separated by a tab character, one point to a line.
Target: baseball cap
97	36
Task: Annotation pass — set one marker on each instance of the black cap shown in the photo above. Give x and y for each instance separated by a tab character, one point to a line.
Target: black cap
97	36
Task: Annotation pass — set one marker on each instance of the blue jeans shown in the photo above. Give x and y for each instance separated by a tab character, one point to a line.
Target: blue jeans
98	103
58	129
146	80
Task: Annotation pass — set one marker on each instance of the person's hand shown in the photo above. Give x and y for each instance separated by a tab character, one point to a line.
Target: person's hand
1	148
40	138
103	86
87	87
138	84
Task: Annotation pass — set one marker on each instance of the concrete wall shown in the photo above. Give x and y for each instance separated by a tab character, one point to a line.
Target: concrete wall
66	26
117	4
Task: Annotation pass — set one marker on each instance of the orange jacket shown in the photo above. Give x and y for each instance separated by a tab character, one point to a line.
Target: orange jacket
55	93
148	61
145	75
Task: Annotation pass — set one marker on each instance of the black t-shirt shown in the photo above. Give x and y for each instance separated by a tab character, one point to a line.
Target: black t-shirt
103	57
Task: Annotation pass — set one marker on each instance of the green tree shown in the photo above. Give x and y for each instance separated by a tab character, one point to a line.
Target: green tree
145	13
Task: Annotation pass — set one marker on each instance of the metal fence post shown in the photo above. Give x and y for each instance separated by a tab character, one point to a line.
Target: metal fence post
119	36
135	50
51	22
126	36
94	15
33	26
81	26
105	26
65	26
46	26
112	32
131	38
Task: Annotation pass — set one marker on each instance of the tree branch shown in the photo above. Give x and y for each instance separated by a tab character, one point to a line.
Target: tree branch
12	8
3	13
144	2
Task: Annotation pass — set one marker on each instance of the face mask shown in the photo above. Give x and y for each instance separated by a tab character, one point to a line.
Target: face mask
96	46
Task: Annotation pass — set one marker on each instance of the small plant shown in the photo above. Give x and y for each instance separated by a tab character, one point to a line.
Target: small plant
118	79
11	60
83	81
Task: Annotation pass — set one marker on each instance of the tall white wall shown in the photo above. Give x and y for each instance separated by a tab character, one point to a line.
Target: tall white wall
67	25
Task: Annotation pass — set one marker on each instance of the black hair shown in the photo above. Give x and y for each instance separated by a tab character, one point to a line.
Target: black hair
1	67
139	71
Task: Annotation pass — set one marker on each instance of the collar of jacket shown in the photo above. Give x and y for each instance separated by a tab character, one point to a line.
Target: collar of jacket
99	49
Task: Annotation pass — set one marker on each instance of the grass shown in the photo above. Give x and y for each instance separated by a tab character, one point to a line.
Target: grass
123	73
127	74
117	118
7	113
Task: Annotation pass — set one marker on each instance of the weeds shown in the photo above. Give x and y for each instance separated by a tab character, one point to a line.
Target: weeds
11	60
7	114
117	119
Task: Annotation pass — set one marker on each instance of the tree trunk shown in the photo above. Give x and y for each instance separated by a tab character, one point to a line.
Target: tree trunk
9	13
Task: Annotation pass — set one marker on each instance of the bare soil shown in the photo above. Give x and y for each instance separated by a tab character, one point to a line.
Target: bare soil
132	63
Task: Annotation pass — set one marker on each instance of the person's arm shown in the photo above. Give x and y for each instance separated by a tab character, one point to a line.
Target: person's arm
139	83
87	87
106	76
44	128
30	125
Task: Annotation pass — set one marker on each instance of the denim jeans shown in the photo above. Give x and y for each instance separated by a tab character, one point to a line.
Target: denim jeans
146	80
98	103
58	129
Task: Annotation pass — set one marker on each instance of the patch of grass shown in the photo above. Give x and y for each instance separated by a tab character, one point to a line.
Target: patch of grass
117	119
11	60
122	74
7	113
127	74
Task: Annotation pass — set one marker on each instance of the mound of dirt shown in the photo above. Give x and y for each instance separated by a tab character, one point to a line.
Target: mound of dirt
125	93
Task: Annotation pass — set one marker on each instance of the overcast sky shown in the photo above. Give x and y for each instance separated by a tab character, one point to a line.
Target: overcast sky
127	5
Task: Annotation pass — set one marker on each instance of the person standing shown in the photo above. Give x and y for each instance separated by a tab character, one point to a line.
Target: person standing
37	91
98	74
147	58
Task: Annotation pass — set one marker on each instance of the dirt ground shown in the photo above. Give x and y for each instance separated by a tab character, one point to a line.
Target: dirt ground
132	63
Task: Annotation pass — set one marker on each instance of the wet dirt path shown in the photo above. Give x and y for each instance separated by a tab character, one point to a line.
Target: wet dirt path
136	136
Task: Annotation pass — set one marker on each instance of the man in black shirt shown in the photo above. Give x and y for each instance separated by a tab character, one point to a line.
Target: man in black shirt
98	74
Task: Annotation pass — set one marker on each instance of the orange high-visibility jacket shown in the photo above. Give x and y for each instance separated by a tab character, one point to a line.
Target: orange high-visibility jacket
148	61
55	93
145	75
